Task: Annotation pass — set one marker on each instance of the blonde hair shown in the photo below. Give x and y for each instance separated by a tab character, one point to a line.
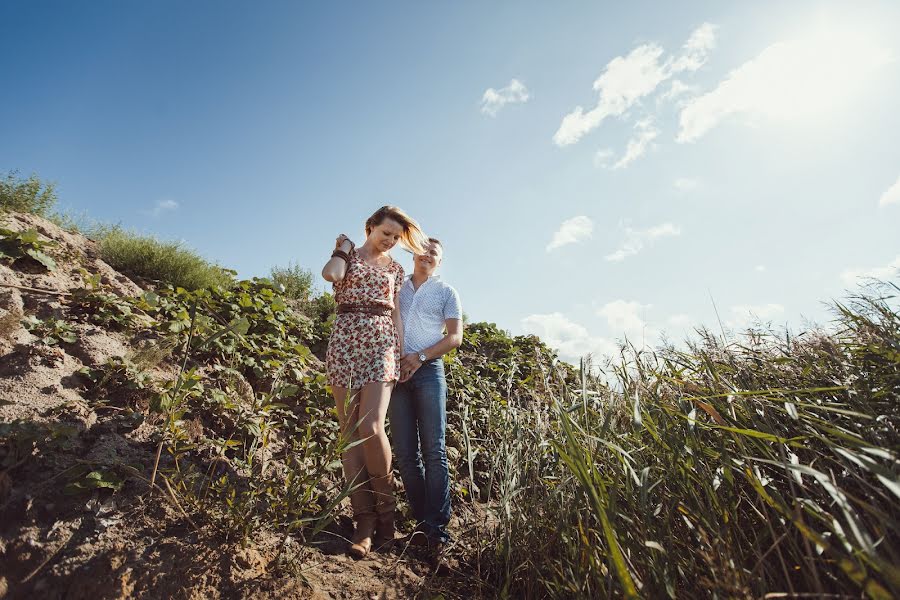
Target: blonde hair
412	238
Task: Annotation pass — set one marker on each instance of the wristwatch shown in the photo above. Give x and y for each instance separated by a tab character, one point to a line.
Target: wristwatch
422	357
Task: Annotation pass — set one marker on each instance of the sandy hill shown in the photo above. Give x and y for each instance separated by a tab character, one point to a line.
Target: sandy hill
79	518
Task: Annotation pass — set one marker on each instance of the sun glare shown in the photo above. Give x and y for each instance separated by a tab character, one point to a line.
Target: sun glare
819	73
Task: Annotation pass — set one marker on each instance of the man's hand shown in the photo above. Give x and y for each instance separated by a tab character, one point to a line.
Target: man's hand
409	364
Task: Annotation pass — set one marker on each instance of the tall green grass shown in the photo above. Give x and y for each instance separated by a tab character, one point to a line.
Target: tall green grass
31	195
730	469
147	257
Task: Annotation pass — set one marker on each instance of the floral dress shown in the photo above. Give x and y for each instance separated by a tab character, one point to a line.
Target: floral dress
365	348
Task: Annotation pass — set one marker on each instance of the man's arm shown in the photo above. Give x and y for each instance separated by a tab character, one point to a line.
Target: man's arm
452	339
410	363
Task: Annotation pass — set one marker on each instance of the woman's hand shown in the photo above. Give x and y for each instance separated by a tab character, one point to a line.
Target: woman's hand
343	243
336	267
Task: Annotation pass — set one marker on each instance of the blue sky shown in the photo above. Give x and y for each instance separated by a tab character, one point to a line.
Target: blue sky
736	153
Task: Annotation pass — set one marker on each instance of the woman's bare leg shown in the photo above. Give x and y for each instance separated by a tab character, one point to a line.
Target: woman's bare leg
347	402
362	499
373	404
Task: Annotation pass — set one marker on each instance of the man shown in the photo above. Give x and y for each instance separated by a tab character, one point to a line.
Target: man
432	326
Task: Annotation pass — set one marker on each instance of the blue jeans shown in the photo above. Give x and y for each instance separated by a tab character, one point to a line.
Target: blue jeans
418	413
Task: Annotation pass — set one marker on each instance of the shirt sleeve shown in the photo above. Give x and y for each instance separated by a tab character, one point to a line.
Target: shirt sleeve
452	305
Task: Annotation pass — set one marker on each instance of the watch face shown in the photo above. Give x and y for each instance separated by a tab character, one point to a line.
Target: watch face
422	356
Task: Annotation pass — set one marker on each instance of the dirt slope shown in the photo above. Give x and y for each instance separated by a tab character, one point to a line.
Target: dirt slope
134	543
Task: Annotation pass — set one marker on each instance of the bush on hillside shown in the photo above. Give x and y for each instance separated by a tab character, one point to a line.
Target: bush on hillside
30	195
147	257
296	281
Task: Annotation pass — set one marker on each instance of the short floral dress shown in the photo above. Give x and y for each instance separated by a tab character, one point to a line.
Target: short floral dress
365	348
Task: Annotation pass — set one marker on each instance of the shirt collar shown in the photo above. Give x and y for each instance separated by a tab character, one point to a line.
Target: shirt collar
409	278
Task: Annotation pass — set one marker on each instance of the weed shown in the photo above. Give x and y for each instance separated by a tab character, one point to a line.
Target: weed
25	246
51	331
30	195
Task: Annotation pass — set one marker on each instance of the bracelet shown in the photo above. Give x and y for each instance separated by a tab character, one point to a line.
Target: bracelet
341	254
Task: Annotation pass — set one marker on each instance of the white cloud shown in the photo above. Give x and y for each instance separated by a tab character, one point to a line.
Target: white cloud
852	276
806	78
696	49
686	184
681	320
162	206
570	339
760	268
638	145
676	90
493	100
571	231
637	239
892	195
624	318
602	157
628	79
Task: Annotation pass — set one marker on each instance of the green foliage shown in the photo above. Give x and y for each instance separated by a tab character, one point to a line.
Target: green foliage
249	327
51	331
295	280
86	479
246	424
21	246
492	373
118	378
322	311
103	307
147	257
26	195
729	469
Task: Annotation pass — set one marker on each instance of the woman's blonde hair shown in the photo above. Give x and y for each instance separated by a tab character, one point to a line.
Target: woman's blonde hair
412	238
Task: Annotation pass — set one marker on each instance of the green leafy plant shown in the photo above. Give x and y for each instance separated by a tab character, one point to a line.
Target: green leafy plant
87	478
20	246
119	377
103	307
233	452
51	331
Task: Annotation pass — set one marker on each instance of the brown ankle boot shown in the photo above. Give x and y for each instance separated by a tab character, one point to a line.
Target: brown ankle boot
385	506
364	516
361	542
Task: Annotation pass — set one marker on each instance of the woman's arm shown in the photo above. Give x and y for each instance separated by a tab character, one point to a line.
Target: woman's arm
336	267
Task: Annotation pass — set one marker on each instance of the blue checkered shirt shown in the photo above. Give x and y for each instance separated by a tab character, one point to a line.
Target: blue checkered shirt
424	311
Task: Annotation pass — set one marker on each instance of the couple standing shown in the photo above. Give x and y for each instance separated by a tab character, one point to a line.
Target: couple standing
384	356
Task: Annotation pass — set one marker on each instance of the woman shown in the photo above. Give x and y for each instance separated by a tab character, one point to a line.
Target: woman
363	363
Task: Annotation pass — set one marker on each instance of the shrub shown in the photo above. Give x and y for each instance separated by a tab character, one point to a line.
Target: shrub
27	195
147	257
296	280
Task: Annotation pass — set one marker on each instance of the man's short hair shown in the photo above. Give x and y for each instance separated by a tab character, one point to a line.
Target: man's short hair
436	241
